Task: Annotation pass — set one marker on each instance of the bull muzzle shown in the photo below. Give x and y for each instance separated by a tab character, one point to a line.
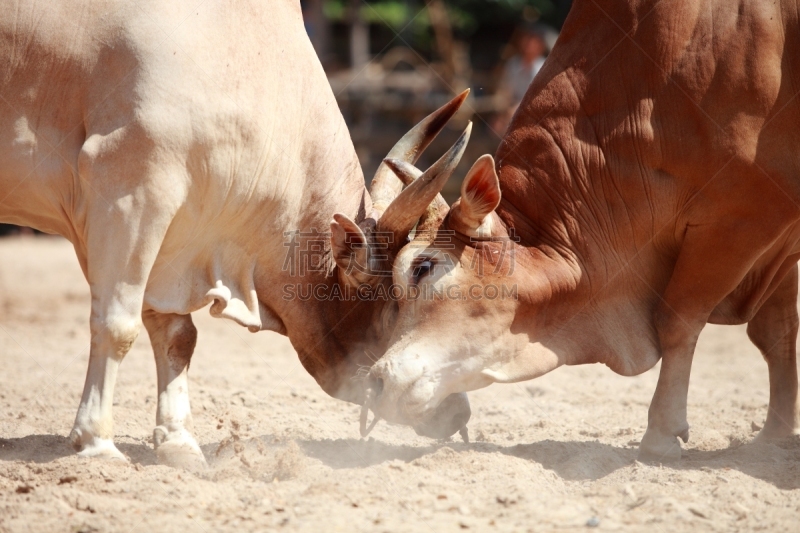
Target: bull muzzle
448	418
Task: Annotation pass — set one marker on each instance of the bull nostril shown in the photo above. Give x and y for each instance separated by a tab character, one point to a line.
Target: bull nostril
376	384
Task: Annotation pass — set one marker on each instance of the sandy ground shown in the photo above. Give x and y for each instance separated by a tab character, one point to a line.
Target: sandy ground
555	454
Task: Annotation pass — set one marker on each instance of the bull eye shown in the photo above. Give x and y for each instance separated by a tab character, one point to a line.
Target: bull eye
422	269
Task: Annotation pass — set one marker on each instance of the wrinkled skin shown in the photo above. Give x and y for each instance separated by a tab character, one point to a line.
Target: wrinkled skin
650	178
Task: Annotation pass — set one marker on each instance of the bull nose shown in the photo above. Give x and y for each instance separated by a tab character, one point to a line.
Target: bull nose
451	415
375	385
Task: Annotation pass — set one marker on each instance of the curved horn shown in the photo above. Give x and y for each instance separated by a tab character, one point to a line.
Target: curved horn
436	210
407	172
385	186
404	212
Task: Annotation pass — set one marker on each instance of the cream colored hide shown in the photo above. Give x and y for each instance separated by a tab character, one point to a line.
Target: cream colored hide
174	144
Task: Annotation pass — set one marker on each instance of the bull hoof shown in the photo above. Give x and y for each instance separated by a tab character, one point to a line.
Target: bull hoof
178	449
96	447
657	447
771	433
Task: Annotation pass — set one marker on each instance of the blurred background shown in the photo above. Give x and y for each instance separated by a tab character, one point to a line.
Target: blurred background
391	62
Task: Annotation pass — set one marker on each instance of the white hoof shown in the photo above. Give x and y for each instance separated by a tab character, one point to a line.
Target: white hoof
776	432
95	446
657	447
178	449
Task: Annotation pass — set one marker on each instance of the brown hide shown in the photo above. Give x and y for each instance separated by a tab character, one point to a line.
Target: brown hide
650	180
651	122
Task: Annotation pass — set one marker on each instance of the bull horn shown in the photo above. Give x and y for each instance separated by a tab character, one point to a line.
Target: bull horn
385	186
404	212
435	212
407	172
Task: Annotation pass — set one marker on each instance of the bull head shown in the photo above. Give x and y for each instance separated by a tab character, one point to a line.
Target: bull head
418	380
365	251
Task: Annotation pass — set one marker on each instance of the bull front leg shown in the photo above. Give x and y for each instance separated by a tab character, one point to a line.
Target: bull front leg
128	200
92	434
173	338
117	295
773	330
666	420
704	274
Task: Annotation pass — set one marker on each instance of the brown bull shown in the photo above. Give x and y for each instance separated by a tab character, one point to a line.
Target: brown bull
650	185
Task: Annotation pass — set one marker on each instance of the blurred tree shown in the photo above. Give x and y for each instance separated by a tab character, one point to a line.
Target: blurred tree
359	35
466	15
317	26
373	26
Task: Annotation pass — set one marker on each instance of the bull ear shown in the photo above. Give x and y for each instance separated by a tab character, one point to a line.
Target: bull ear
480	192
349	246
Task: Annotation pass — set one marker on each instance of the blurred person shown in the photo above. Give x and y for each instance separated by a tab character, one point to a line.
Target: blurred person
519	71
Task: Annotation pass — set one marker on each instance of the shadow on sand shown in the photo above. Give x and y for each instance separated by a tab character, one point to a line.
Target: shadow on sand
577	460
776	463
47	448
